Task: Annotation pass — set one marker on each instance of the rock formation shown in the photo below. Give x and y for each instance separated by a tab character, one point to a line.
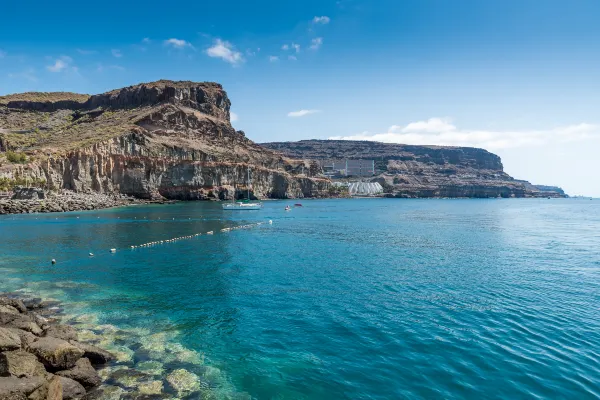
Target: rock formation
423	171
162	139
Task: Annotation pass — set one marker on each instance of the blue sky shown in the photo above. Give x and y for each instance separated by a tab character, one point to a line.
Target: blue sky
519	78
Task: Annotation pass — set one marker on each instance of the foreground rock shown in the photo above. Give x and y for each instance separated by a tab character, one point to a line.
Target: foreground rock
56	353
40	359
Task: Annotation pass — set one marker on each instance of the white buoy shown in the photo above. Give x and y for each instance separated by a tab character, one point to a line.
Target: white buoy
270	222
91	254
113	250
53	261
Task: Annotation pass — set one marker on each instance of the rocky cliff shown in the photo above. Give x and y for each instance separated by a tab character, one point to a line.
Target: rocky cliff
161	139
423	171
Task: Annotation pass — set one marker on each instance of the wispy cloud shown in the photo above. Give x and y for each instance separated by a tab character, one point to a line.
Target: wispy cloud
441	131
294	46
321	20
302	113
225	51
316	43
146	40
116	53
2	54
28	74
61	64
233	117
86	52
293	58
273	58
285	47
177	43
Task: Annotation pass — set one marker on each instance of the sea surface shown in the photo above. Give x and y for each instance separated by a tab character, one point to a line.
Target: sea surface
338	299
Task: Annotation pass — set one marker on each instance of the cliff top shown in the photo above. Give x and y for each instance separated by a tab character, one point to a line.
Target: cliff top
62	120
44	97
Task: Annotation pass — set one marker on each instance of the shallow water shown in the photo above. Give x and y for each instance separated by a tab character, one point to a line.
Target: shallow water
361	299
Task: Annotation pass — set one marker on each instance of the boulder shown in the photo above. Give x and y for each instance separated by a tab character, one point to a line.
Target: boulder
9	340
20	364
19	321
9	309
64	332
71	389
16	303
55	389
56	353
95	354
26	337
82	372
12	388
33	303
40	321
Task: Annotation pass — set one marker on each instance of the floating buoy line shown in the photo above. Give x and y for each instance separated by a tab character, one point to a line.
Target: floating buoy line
180	238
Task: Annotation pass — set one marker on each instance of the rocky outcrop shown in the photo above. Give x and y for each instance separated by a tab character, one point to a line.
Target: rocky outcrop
154	140
422	171
44	367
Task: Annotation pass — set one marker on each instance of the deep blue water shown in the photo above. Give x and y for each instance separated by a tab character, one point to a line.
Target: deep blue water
340	299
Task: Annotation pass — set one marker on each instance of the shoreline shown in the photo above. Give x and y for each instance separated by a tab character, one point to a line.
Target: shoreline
46	354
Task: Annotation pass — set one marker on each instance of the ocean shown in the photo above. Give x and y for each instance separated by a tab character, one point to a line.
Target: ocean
338	299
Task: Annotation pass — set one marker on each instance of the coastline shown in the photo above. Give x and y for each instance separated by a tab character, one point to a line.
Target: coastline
47	354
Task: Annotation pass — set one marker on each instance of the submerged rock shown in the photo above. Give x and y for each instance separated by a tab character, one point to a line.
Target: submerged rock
153	387
106	392
95	354
56	353
82	372
184	382
9	340
20	364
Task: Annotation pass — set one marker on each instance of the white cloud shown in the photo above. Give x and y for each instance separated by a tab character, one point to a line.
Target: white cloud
61	64
321	20
177	43
86	52
316	43
28	74
225	51
273	58
293	58
302	113
233	117
146	40
296	47
116	53
441	131
285	47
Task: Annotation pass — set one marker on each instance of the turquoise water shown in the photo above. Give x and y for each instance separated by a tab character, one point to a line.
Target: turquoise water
340	299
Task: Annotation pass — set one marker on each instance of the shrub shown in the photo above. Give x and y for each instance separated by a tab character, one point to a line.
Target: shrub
15	157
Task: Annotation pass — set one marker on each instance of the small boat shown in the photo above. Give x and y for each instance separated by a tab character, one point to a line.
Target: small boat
240	205
288	208
297	205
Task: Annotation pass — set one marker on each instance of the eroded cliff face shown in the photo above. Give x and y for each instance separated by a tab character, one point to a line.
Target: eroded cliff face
161	139
423	171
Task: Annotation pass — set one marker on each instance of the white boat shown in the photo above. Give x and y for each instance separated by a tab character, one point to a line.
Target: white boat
241	205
